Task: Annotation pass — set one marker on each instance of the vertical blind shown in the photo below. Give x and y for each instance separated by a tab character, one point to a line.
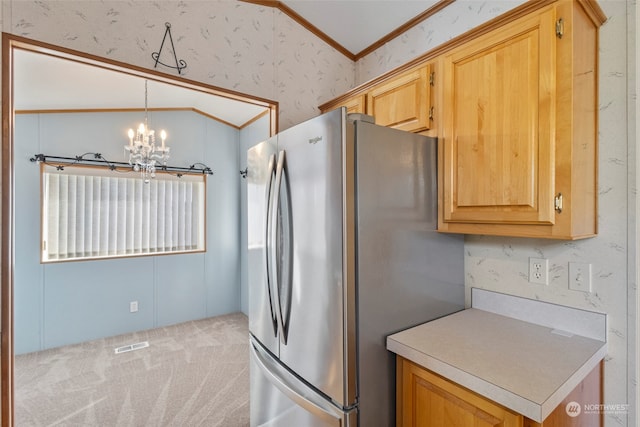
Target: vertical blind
94	213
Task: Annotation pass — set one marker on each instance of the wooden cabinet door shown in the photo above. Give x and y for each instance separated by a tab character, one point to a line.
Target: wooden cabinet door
356	104
404	102
498	132
428	400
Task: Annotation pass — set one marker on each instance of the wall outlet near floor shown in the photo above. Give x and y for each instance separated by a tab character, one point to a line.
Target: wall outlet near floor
133	306
580	276
539	271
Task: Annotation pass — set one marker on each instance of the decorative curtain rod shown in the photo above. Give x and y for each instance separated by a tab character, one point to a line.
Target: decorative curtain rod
98	160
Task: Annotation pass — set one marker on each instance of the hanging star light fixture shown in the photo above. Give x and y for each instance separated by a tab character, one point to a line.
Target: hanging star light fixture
143	152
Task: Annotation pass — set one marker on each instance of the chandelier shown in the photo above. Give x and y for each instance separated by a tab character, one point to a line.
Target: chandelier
143	152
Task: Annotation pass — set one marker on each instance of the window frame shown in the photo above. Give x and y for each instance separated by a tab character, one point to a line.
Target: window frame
120	172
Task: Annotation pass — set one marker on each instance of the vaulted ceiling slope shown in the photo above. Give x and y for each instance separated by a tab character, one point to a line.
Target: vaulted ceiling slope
48	83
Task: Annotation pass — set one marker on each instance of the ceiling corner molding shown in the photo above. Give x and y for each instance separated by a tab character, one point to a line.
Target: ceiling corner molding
405	27
306	24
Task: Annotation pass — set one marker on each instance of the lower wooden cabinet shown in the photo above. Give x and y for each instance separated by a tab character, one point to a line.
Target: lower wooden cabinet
425	399
428	400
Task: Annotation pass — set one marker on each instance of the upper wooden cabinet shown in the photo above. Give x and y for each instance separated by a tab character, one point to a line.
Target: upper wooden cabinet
498	125
357	104
519	133
403	102
515	110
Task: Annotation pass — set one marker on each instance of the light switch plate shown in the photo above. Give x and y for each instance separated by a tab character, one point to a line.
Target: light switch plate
580	276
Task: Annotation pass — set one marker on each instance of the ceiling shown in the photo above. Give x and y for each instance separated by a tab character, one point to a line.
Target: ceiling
44	82
358	24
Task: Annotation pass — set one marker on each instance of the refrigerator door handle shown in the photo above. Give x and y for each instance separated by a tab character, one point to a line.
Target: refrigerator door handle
271	171
281	227
295	389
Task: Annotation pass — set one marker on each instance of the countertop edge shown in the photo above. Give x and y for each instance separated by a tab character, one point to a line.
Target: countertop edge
532	410
572	382
476	384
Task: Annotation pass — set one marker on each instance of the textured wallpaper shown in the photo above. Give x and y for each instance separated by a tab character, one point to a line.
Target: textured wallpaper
501	264
455	19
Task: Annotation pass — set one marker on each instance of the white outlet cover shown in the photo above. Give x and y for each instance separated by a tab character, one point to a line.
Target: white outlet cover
539	271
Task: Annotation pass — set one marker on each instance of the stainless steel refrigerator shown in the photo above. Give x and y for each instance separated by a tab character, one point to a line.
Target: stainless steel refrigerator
342	252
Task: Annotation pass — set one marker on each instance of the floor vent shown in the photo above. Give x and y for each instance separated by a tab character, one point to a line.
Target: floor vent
131	347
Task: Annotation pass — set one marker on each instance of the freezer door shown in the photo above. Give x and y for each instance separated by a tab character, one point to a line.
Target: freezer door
261	173
279	398
310	251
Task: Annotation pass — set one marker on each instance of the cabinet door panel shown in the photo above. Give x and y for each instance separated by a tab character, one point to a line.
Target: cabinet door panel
428	400
403	102
435	406
498	140
355	105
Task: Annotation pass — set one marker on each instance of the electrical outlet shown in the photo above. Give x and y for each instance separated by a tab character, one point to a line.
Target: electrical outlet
133	306
580	276
539	271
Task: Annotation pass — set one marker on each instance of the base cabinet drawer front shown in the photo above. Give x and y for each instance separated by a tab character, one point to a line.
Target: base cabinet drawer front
403	102
427	400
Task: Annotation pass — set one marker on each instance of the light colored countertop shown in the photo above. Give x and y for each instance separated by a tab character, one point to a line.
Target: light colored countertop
524	365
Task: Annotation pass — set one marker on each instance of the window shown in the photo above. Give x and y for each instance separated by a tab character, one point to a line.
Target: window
95	213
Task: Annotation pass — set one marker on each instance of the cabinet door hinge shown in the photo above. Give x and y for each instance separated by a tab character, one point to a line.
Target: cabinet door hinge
559	28
431	113
432	78
557	203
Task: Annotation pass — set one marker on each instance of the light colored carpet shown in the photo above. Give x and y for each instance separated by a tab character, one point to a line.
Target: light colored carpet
192	374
